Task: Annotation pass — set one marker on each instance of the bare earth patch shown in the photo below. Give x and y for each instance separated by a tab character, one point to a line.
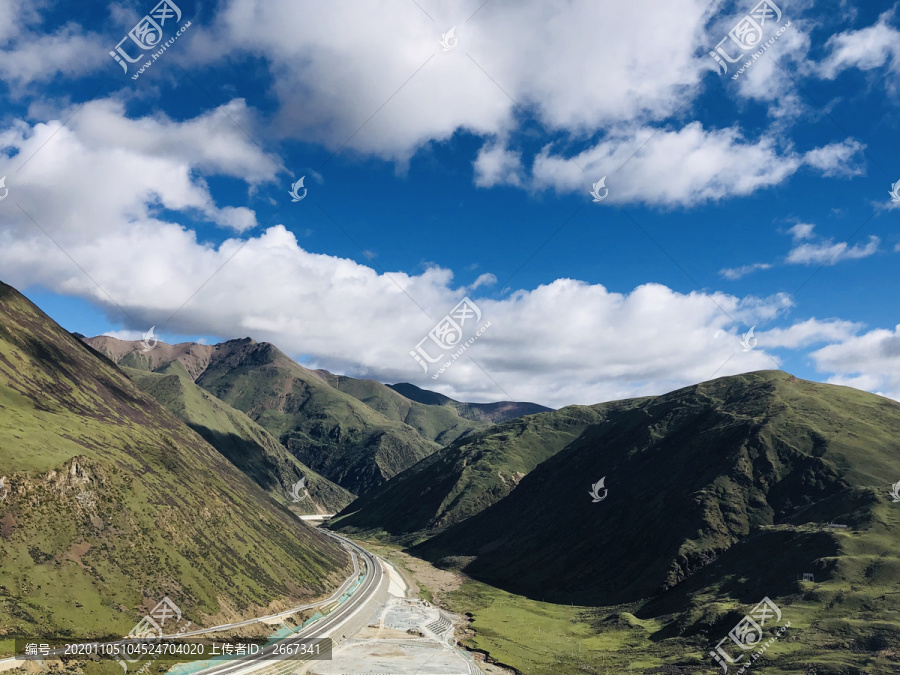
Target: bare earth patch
438	582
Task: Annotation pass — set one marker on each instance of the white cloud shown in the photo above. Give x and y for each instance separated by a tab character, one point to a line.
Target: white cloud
809	332
866	49
831	253
106	169
29	55
335	64
495	165
767	79
669	167
374	80
113	178
125	334
802	231
734	273
869	361
807	252
482	280
838	159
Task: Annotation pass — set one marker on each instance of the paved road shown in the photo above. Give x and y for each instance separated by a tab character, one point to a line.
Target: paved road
334	596
330	626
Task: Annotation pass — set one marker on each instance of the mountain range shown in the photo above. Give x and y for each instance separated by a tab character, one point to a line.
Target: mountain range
131	473
669	514
687	475
356	433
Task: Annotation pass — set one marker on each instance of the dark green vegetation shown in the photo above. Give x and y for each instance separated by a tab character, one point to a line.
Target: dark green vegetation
328	430
357	433
719	494
491	413
246	444
467	476
113	503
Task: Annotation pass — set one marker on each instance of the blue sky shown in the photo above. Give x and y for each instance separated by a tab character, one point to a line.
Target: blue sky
441	171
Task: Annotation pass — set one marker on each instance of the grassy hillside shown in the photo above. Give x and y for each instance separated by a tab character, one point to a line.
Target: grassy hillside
719	495
328	430
487	413
246	444
690	475
439	423
436	417
113	503
467	476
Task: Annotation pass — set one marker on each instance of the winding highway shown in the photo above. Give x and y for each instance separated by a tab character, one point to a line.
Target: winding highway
330	626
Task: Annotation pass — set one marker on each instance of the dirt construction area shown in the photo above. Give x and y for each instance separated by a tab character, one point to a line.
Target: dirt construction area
407	636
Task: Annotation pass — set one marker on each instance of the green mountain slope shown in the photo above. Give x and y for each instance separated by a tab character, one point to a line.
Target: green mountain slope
467	476
317	414
436	417
246	444
328	430
754	459
111	503
486	413
439	423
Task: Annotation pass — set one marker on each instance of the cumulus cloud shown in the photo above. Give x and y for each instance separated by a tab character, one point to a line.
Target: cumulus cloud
482	280
807	251
809	332
802	231
870	361
495	165
106	169
767	80
670	167
866	49
563	342
838	159
335	64
373	80
29	55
